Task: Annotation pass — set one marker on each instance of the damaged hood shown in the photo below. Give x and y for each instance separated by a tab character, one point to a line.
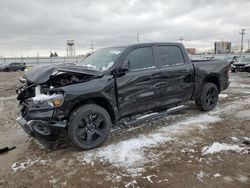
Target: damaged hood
41	74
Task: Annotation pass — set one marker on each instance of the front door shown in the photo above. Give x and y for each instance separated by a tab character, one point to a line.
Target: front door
138	89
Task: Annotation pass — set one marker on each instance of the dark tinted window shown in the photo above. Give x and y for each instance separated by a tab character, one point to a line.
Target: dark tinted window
141	58
170	55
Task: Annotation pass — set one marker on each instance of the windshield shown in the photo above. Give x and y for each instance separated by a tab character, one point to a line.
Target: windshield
102	59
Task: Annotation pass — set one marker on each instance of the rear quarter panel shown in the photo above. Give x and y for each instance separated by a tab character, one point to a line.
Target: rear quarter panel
205	69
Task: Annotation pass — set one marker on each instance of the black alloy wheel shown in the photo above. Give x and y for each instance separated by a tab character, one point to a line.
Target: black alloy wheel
209	97
89	126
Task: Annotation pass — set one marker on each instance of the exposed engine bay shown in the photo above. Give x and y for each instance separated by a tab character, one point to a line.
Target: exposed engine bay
57	80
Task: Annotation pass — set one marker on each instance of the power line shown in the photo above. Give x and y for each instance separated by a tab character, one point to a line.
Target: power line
181	39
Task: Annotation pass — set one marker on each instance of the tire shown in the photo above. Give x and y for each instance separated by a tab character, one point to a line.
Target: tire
208	98
89	126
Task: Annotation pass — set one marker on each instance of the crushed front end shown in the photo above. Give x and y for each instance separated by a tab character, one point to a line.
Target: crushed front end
41	112
44	104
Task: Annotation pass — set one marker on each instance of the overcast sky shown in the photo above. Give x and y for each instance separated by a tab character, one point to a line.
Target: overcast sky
31	26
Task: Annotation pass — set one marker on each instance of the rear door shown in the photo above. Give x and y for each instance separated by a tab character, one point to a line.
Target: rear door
176	75
137	89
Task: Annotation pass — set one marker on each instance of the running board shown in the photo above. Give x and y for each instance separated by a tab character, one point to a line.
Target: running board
154	116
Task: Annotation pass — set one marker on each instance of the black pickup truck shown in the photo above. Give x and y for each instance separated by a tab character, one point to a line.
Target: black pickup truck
112	84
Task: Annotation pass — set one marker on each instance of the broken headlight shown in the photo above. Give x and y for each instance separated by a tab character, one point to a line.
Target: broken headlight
53	100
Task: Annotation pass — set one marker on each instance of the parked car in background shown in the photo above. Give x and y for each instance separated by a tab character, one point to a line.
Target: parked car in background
8	67
243	64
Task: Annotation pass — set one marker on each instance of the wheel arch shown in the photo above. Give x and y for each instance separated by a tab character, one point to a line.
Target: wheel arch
213	79
101	101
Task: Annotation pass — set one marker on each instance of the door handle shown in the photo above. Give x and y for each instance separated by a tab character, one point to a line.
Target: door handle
155	76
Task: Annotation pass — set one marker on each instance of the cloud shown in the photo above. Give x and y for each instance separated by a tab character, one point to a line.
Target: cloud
28	27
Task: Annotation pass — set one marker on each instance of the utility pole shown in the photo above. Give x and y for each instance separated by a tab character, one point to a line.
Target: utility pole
242	32
21	58
248	49
181	39
92	47
37	57
137	37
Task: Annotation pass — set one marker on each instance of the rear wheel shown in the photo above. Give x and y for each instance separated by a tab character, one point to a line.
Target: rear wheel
89	126
208	98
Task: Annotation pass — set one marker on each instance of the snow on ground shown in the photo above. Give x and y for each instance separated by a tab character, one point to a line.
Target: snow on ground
239	85
133	153
246	138
235	139
201	175
219	147
28	163
223	96
245	114
23	165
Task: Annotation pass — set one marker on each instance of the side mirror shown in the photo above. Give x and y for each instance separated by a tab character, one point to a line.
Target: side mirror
124	67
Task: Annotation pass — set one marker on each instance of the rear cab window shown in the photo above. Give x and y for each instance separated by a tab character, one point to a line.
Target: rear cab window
141	59
170	56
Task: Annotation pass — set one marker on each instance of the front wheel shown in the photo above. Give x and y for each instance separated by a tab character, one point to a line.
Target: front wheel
89	126
208	98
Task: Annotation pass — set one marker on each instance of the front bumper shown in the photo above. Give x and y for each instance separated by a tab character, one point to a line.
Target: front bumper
41	122
41	129
240	68
49	113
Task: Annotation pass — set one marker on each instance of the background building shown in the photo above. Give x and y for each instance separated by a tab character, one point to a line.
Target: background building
191	51
222	47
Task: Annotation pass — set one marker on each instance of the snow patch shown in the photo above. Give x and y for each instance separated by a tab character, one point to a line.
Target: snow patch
223	95
44	97
245	114
242	179
131	184
149	178
235	139
110	64
201	175
217	175
116	52
246	138
219	147
133	154
23	165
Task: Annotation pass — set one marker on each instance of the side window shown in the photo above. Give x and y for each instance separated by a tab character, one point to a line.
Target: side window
141	58
170	55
